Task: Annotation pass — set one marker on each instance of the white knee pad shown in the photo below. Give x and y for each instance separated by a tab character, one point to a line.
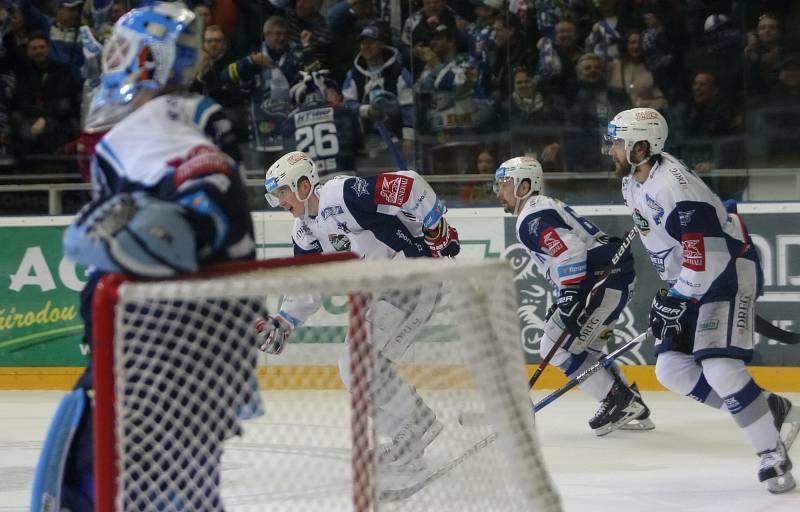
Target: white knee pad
677	372
725	376
560	358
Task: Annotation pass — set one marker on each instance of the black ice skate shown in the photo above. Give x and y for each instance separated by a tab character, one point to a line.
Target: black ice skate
618	408
787	418
642	421
774	468
404	452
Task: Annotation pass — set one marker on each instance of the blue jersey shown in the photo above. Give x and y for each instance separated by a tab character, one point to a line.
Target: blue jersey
329	134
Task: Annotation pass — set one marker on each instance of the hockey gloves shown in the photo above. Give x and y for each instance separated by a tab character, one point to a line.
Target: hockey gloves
443	240
665	315
570	307
273	331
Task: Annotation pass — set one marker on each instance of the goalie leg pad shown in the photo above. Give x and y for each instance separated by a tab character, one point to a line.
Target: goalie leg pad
396	318
49	474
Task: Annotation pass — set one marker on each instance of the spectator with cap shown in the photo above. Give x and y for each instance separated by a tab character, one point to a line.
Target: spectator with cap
310	33
46	105
511	52
346	20
419	29
379	89
62	30
447	84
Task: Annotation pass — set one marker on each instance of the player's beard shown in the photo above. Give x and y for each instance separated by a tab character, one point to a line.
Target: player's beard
621	170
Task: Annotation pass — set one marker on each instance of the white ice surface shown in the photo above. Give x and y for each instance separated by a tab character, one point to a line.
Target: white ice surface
696	460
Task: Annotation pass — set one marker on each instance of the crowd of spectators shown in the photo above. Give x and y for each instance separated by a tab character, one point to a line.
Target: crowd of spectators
493	77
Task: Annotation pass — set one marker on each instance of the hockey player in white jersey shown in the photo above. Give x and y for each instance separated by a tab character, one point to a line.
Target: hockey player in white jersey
388	216
166	200
704	321
571	253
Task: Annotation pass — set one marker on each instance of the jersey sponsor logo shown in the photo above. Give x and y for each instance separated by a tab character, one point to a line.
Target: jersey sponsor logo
310	117
708	325
640	222
201	161
694	252
658	259
533	226
678	176
339	242
331	210
658	210
342	226
295	158
551	242
645	115
360	187
733	405
392	189
743	311
302	231
572	269
685	217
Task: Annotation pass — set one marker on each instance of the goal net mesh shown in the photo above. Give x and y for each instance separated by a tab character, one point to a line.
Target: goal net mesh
359	412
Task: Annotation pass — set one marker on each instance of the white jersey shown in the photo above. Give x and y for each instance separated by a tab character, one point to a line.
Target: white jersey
380	217
566	247
687	232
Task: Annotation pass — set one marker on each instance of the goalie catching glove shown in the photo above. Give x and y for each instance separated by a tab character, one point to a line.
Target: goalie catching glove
273	332
443	240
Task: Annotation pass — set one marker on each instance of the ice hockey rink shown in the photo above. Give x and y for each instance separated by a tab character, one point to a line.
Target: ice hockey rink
696	459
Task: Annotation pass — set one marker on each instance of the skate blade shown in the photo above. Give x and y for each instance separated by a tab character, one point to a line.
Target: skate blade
413	466
790	427
645	424
781	484
633	411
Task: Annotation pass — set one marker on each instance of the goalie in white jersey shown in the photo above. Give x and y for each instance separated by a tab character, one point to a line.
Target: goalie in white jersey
704	321
388	216
571	253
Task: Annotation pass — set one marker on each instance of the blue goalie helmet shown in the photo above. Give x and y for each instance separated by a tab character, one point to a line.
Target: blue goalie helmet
150	48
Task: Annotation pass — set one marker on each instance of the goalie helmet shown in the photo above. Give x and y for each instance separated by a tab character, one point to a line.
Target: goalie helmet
150	48
637	125
519	169
286	172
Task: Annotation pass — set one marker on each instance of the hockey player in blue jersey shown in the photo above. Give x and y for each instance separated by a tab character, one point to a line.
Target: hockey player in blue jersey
703	322
384	217
166	201
570	253
321	126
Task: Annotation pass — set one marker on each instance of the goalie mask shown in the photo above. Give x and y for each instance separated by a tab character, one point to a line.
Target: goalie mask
150	48
517	170
286	172
637	125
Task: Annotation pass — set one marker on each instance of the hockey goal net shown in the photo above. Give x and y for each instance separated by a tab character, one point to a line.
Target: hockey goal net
191	416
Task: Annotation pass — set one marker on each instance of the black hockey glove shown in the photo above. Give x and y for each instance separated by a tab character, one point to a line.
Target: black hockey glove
570	307
665	315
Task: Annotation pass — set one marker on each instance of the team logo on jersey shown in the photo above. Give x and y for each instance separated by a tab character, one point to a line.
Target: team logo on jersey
392	189
533	226
685	217
658	258
640	222
331	210
360	187
658	211
551	242
339	242
694	252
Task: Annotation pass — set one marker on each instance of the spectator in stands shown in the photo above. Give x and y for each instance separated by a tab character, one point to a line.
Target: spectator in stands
557	59
719	49
480	193
710	113
378	69
310	33
46	105
203	12
419	29
594	104
630	74
8	76
535	118
266	76
762	55
660	56
774	120
62	31
511	52
605	37
213	65
16	37
346	20
481	41
446	85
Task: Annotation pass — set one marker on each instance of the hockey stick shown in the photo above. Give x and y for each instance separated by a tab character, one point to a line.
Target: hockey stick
626	243
389	141
407	492
604	362
765	328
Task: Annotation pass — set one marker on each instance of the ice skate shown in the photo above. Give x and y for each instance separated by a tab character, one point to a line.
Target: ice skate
787	418
618	408
404	452
642	421
774	468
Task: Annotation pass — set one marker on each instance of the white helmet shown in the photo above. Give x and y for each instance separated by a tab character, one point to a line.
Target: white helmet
519	169
286	172
636	125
